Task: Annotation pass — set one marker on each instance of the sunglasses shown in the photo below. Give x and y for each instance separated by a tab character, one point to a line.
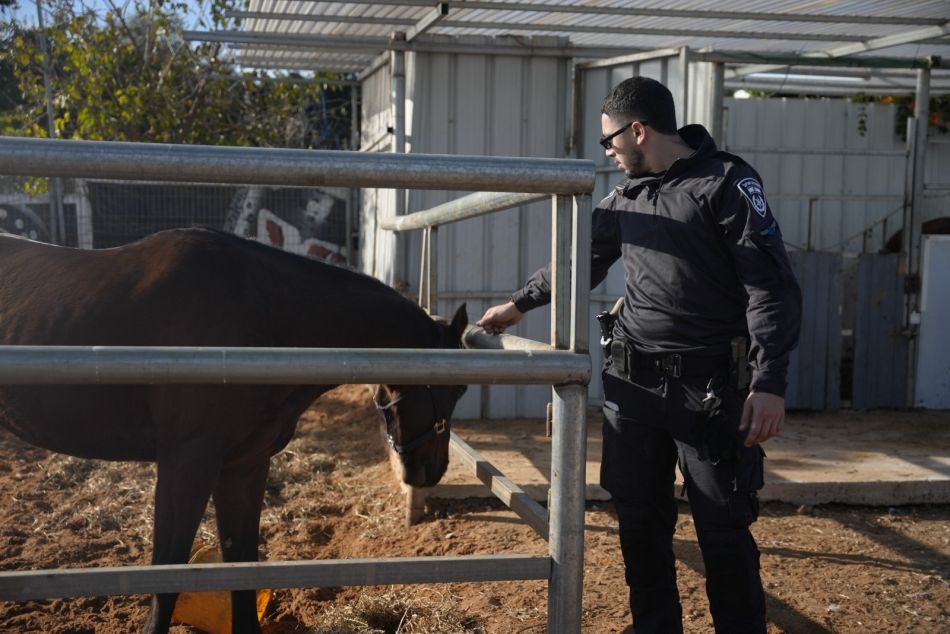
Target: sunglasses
606	141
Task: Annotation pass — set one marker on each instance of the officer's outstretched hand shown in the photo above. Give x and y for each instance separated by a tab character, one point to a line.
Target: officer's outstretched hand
763	415
497	318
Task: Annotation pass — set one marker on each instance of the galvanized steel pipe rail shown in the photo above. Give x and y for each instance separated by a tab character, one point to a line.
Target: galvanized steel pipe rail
471	206
98	365
270	166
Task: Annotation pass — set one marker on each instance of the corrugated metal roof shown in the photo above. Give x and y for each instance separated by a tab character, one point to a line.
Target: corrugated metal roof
344	35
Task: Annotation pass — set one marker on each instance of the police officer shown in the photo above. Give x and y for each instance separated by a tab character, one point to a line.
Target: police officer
696	359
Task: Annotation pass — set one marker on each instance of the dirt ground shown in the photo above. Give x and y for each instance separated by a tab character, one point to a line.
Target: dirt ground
332	495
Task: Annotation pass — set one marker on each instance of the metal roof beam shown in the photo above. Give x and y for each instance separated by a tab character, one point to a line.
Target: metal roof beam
906	37
244	39
373	45
290	80
320	17
778	61
431	18
297	66
800	88
634	58
556	28
676	32
692	14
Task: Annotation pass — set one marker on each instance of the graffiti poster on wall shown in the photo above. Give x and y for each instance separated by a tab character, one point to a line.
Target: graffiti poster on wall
310	222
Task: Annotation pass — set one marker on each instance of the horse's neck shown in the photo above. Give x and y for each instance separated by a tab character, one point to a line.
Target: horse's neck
357	318
400	325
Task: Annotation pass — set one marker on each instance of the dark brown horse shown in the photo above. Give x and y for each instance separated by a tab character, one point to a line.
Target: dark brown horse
205	288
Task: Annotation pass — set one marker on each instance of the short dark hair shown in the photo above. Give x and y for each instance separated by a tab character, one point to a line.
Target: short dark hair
643	99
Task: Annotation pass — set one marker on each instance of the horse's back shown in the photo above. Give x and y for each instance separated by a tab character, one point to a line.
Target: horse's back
167	289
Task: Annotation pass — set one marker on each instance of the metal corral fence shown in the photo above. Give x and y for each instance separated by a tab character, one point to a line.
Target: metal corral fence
565	364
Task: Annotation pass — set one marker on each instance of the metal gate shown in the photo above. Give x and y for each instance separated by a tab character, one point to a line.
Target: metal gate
880	348
814	373
565	364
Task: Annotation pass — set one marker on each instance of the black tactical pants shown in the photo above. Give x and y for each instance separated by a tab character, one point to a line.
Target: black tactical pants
649	423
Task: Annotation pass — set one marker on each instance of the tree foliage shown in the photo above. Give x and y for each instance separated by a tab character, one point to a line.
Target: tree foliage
127	74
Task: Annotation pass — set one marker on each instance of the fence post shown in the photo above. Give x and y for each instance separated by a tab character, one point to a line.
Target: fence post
566	512
569	324
580	274
561	211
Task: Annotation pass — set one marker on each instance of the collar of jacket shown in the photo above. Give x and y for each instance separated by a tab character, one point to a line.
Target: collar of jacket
695	137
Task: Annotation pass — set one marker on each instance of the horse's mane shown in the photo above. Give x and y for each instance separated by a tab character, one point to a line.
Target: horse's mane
356	283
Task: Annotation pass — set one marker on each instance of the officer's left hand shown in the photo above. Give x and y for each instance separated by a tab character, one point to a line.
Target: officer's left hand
763	415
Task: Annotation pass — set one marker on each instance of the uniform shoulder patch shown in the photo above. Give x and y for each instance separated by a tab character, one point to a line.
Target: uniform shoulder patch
752	190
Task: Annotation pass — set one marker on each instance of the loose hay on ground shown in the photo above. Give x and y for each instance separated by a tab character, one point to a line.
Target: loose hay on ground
394	612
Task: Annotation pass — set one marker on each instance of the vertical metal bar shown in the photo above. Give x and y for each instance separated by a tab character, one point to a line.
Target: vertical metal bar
684	77
349	241
422	267
400	264
84	230
577	100
566	512
57	218
809	240
354	192
354	120
432	269
580	274
913	220
561	219
715	78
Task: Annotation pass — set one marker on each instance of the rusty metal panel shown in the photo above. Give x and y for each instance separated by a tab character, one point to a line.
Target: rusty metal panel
880	350
814	373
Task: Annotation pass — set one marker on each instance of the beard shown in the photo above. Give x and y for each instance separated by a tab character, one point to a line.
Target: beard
635	164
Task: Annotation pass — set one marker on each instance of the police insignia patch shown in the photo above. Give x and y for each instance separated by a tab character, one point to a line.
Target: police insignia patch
752	191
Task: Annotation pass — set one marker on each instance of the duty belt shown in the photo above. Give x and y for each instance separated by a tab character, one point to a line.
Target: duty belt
627	362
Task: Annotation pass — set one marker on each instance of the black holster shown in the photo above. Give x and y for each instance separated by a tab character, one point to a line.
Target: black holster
739	375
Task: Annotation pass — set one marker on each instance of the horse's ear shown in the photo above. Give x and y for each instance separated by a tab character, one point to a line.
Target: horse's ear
459	322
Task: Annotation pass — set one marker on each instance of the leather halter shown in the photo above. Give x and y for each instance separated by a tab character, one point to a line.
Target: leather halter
438	427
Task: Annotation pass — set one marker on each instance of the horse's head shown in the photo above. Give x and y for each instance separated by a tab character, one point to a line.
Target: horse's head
418	417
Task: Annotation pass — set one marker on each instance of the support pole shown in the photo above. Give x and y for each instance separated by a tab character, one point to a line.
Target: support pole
913	221
568	486
580	274
432	272
423	260
561	213
57	217
715	78
684	77
398	99
354	198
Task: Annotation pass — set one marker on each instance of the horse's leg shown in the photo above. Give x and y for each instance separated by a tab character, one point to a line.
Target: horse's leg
186	477
238	498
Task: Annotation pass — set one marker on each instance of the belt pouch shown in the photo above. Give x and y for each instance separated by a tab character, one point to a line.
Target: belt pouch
622	360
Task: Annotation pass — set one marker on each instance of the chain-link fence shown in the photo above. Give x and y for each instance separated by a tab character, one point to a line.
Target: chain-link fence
315	222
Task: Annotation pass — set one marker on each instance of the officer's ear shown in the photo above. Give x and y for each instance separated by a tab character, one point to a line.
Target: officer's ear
639	132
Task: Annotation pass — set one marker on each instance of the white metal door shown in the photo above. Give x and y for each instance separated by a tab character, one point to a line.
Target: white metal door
933	347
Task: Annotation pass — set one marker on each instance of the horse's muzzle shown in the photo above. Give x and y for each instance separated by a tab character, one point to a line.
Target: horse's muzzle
425	474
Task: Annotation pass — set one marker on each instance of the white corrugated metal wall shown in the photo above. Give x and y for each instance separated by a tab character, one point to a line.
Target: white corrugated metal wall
376	247
488	105
833	170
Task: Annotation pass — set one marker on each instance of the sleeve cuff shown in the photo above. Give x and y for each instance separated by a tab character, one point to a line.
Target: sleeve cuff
524	302
772	385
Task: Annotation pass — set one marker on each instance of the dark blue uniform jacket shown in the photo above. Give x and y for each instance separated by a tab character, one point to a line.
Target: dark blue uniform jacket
703	262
